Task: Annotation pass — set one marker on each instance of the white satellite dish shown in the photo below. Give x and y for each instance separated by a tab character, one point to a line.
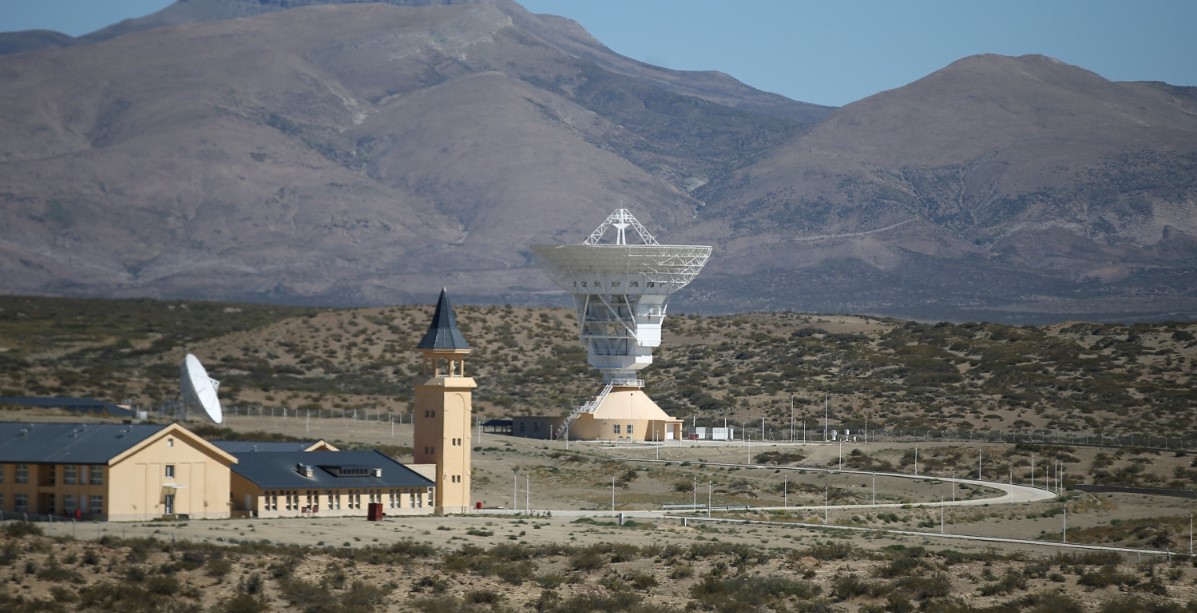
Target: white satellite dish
199	390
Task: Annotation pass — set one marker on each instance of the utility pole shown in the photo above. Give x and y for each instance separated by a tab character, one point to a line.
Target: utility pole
874	488
785	492
791	418
613	494
941	514
528	492
826	414
916	460
695	503
825	515
708	498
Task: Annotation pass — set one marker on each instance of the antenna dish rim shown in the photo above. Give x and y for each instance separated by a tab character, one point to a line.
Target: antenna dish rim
198	388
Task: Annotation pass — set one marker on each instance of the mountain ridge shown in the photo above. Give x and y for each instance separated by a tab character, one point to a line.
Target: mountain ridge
348	153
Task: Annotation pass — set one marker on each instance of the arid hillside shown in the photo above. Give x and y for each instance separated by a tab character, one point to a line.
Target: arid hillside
1075	378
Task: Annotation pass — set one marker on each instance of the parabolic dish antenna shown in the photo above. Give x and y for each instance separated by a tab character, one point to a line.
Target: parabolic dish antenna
198	390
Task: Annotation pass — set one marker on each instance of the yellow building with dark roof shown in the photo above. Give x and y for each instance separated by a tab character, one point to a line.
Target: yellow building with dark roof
115	472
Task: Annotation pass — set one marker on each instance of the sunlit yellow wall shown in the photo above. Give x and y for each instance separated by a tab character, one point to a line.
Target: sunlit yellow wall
138	484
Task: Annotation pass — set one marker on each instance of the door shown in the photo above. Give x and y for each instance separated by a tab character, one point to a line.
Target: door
169	505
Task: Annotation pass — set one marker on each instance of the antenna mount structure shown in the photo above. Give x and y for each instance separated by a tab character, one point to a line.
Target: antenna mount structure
621	292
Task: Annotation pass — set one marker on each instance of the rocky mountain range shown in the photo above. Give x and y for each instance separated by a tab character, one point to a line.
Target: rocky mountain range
352	153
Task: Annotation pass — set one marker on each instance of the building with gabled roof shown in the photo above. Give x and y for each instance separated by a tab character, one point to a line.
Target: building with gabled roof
326	484
115	472
235	447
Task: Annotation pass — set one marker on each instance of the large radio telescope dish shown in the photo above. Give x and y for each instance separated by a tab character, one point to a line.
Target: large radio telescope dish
199	390
621	291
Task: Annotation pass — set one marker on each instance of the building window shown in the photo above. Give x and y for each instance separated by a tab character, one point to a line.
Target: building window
20	502
616	426
170	442
68	504
2	469
334	501
70	474
629	429
271	502
96	504
1	501
96	477
170	471
22	473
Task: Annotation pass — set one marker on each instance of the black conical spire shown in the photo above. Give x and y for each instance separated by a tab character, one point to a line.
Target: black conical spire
442	332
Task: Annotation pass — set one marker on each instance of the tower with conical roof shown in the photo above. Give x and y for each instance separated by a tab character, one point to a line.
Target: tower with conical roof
443	409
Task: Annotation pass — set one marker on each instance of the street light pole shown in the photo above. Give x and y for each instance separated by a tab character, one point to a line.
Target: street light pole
826	414
791	418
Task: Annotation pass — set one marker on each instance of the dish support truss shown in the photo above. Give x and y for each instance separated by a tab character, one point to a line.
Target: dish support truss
621	292
620	220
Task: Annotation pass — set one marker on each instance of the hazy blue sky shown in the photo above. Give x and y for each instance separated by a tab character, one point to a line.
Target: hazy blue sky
826	51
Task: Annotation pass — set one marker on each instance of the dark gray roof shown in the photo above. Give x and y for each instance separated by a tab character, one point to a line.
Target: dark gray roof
235	447
275	471
442	332
54	443
78	405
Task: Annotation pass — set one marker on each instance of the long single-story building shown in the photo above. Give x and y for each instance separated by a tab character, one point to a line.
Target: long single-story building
326	484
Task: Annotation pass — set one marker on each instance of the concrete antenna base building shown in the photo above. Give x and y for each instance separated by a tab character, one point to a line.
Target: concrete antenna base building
621	292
